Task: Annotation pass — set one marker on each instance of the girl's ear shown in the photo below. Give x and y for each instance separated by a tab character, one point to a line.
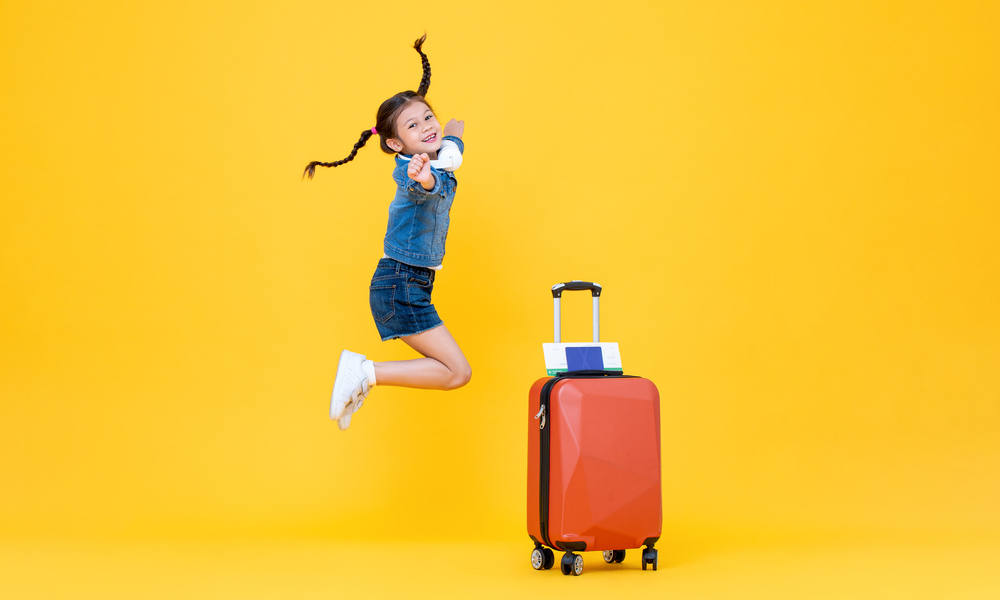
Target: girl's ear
394	144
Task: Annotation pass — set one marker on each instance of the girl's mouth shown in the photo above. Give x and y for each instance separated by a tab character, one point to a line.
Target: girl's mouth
430	138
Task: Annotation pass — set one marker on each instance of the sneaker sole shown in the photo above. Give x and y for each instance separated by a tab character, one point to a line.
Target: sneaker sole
333	404
345	420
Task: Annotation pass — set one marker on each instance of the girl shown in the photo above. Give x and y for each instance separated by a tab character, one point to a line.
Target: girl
400	292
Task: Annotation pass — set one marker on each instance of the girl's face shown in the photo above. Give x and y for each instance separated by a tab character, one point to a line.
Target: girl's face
417	131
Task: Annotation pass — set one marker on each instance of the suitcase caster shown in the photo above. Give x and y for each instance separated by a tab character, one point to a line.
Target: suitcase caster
572	564
542	558
649	557
614	556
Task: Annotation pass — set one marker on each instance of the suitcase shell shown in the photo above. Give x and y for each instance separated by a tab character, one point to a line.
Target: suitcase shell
594	463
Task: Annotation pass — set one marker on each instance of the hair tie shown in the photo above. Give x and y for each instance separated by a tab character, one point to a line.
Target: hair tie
374	132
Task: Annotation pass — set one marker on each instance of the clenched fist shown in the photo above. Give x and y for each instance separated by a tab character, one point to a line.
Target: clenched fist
420	171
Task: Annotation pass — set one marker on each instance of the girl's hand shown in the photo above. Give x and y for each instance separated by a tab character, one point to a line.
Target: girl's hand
455	128
420	171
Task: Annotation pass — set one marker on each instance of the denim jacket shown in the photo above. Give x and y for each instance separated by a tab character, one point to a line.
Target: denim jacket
419	218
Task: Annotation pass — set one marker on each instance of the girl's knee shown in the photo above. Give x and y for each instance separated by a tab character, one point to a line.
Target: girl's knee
459	377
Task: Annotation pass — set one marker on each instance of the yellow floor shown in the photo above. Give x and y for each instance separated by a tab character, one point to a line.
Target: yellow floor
271	568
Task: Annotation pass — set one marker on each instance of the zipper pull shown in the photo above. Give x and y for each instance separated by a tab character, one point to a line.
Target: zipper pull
541	415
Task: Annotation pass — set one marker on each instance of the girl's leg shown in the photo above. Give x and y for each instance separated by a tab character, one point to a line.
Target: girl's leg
443	367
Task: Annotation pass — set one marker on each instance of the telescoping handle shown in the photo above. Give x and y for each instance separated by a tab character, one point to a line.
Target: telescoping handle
576	285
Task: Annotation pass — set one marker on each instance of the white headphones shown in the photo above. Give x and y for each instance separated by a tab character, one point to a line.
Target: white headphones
449	157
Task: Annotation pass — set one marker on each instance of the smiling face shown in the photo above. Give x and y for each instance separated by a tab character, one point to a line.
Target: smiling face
417	130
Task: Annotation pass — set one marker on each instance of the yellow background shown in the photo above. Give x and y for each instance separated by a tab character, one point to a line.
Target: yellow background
792	208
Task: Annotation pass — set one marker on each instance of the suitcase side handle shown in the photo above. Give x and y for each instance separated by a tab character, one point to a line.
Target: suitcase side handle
576	285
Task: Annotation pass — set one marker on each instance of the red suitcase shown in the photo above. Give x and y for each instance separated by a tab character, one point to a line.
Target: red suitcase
593	463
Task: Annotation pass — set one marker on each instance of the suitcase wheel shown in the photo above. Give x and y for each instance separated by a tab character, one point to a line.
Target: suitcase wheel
572	564
614	556
542	558
649	557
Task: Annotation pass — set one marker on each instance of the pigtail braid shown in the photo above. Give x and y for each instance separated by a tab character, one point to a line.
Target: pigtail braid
311	167
425	81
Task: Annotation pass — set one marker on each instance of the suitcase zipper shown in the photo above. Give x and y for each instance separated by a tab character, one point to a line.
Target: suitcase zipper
544	444
541	415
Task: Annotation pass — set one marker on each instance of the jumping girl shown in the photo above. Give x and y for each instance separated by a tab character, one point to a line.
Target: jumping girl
400	292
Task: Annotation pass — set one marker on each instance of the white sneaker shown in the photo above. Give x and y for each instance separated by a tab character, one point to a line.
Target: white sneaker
357	401
351	382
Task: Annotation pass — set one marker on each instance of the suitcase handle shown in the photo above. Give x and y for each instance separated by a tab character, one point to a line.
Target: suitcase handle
576	285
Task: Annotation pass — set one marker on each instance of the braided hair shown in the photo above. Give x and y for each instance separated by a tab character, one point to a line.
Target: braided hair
425	81
385	118
311	167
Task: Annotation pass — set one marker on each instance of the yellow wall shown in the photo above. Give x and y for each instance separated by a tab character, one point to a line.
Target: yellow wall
792	207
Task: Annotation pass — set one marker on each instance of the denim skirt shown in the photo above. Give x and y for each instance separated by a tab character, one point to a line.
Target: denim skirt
400	298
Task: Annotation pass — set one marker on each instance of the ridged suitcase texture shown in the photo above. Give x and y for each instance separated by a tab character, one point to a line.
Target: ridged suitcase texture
594	464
